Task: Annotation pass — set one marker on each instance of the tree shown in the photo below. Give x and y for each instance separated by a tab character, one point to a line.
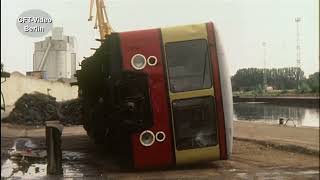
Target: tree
281	78
313	82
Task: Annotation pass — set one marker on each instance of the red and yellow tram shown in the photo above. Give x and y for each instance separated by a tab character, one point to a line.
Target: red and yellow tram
159	97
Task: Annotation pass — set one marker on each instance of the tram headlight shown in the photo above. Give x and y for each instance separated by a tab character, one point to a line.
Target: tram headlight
138	61
147	138
152	60
160	136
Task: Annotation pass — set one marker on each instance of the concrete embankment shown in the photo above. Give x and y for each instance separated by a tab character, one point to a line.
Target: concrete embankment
300	101
295	139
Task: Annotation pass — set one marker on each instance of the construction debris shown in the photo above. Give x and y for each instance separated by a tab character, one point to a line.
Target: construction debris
36	108
25	148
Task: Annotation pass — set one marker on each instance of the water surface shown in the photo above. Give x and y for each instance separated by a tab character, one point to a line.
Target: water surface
271	113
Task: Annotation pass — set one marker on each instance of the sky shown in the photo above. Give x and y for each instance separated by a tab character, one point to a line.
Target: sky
242	24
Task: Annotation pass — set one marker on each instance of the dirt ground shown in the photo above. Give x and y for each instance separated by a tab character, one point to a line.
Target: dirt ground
83	160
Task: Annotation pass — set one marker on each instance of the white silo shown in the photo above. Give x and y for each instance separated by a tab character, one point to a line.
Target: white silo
55	56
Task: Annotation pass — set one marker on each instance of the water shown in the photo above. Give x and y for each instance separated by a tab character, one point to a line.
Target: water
36	168
270	113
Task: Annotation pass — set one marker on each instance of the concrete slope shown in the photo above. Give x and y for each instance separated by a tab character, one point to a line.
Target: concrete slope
291	137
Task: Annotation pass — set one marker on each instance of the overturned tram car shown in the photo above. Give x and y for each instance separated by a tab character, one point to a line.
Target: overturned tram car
159	97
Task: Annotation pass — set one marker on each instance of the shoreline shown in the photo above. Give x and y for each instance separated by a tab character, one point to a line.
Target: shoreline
263	122
294	100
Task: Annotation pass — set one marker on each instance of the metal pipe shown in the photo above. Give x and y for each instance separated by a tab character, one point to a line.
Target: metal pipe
53	142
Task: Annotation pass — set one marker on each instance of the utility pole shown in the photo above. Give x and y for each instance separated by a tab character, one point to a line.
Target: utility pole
298	20
264	44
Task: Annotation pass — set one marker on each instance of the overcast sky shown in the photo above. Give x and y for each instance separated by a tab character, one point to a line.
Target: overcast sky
243	26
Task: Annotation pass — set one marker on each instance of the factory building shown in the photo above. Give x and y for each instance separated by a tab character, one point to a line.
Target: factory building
55	58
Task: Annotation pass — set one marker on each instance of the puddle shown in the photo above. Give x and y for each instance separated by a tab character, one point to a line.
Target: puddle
31	169
35	167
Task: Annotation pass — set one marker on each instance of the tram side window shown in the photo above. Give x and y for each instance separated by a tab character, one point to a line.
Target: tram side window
188	65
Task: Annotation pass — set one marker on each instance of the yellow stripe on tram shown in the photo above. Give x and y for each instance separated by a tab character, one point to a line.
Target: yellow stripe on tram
186	33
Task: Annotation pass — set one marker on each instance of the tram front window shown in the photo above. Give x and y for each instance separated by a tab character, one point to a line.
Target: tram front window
195	123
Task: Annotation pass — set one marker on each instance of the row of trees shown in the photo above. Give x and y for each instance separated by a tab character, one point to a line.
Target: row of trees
279	78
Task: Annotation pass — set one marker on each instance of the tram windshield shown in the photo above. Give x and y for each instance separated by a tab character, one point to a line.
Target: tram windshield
188	65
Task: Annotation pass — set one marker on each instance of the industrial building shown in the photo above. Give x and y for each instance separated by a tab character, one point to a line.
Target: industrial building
54	58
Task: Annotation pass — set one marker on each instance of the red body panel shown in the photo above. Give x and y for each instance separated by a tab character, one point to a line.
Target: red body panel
217	91
148	43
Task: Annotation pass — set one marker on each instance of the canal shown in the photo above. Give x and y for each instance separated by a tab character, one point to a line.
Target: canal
271	113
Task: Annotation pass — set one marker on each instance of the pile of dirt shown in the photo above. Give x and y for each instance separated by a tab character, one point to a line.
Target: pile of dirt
36	108
70	112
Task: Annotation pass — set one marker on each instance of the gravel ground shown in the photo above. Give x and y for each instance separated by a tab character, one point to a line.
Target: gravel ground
82	159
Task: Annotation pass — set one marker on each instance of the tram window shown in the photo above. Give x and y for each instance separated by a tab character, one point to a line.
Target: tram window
195	123
188	65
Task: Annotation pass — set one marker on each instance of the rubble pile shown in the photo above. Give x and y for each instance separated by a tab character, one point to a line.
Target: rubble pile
36	108
70	112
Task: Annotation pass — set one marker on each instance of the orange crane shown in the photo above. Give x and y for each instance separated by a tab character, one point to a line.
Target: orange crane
101	20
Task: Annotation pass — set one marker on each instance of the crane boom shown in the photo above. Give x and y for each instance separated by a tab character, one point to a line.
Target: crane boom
101	20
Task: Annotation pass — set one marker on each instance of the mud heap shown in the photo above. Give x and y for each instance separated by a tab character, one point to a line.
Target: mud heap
36	108
70	112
